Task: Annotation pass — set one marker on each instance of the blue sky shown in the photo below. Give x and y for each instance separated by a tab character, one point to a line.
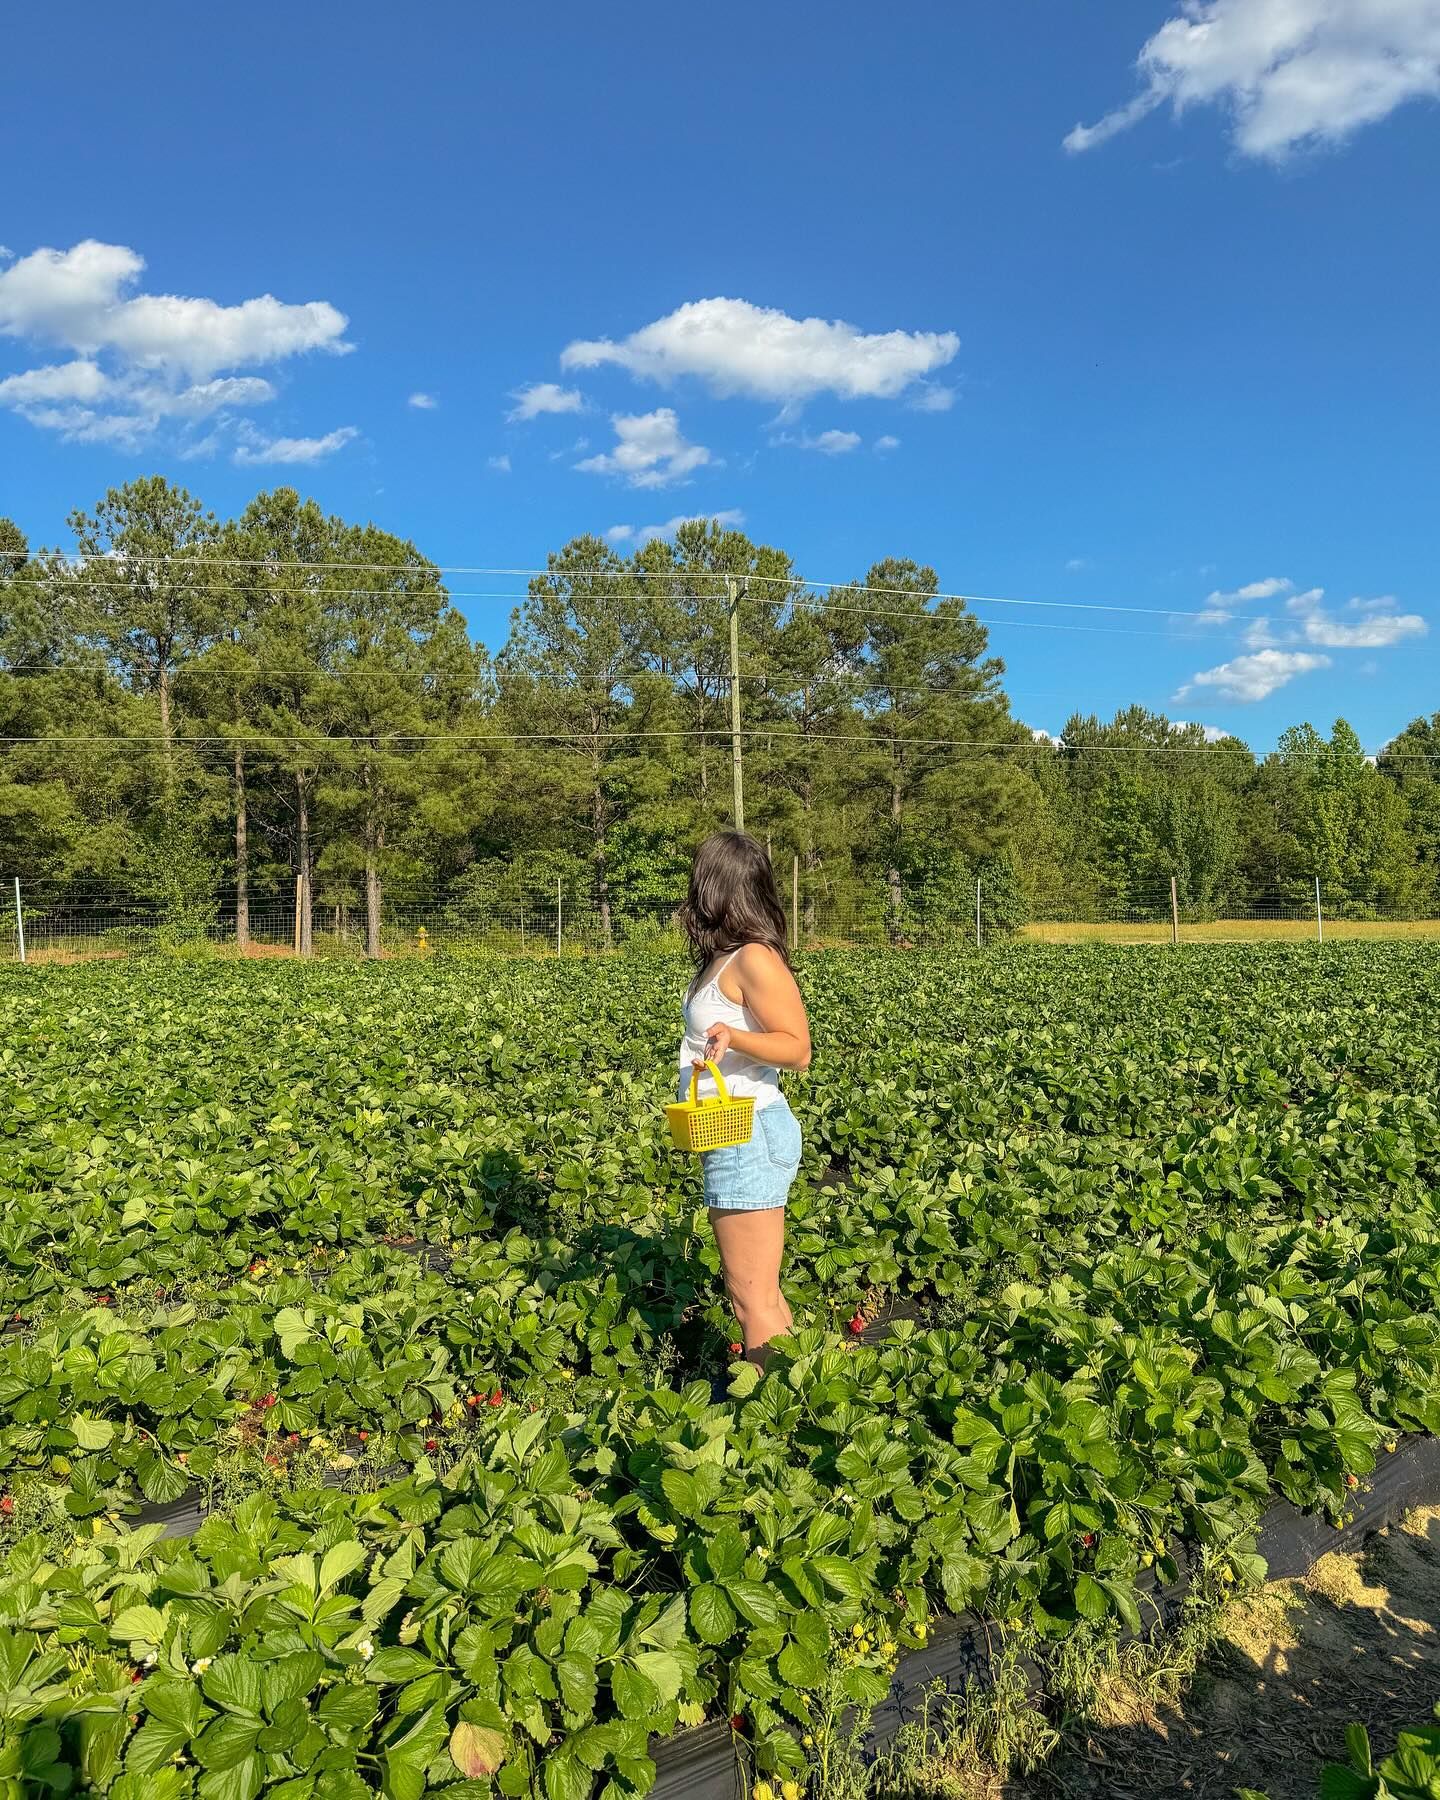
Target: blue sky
890	301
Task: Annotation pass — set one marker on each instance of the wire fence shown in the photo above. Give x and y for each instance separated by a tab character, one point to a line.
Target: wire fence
36	926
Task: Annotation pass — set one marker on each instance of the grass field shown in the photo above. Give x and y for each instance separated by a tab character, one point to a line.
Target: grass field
391	1267
1236	931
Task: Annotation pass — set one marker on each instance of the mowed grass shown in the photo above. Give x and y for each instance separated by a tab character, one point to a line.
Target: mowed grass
1230	931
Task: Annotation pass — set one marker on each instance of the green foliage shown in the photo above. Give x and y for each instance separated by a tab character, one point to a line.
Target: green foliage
1171	1244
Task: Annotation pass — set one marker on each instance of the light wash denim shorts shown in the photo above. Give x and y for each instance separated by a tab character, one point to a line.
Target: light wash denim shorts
755	1177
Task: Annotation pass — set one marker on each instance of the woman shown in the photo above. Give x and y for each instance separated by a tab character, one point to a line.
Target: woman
744	1013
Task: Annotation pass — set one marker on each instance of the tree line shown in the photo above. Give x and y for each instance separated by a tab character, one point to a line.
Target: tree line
205	713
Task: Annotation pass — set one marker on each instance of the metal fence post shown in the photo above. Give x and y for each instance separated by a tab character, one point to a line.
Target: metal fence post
977	912
19	920
1174	913
558	926
1319	916
795	902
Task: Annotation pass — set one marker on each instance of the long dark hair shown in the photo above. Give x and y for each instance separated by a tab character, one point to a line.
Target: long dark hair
733	899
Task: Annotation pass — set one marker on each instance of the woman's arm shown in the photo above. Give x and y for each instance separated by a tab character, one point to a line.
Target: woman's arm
768	989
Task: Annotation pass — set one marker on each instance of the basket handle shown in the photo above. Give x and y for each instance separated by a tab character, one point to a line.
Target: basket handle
720	1086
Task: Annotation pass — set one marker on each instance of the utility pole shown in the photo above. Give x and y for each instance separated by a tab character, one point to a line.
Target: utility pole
732	589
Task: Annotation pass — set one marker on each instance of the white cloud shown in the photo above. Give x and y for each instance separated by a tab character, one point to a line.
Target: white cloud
1377	627
1214	734
1378	632
423	402
649	452
1076	564
81	298
932	397
1252	590
887	443
739	348
1041	736
500	464
256	450
82	380
1253	677
1288	72
163	352
1259	635
828	443
544	397
642	534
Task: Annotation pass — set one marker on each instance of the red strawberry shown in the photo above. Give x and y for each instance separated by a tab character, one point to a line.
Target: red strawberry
272	1462
497	1398
1088	1540
857	1324
134	1675
1352	1481
269	1400
430	1444
472	1400
294	1437
736	1349
737	1721
7	1504
364	1436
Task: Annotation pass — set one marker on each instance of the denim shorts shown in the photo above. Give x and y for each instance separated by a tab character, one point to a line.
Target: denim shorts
755	1177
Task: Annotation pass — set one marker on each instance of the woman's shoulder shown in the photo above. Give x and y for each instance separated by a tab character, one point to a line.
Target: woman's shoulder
758	960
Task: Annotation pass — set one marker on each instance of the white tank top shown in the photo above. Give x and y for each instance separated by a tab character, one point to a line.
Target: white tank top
707	1005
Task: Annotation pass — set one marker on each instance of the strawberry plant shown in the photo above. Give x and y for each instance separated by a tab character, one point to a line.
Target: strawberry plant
1147	1244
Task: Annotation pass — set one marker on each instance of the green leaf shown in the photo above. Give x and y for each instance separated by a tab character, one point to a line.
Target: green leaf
397	1663
1091	1601
242	1781
91	1433
756	1602
711	1613
339	1561
139	1624
635	1695
154	1744
233	1682
662	1667
566	1777
800	1667
227	1741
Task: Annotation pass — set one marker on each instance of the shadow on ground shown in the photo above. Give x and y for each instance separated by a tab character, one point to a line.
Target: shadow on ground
1357	1640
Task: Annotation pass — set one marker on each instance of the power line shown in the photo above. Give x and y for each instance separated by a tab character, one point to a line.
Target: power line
380	740
625	574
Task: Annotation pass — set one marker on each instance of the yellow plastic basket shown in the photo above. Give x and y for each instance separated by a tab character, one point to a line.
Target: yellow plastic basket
697	1124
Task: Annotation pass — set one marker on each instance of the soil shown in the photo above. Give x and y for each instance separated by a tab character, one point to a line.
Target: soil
1358	1639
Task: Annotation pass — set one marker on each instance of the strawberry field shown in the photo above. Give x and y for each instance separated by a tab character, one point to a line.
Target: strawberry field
390	1268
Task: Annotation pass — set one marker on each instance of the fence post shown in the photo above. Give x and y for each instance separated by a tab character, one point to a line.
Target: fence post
977	912
298	880
19	920
1319	916
558	926
1174	913
795	901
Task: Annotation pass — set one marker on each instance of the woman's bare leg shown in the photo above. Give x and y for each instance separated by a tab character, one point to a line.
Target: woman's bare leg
751	1245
